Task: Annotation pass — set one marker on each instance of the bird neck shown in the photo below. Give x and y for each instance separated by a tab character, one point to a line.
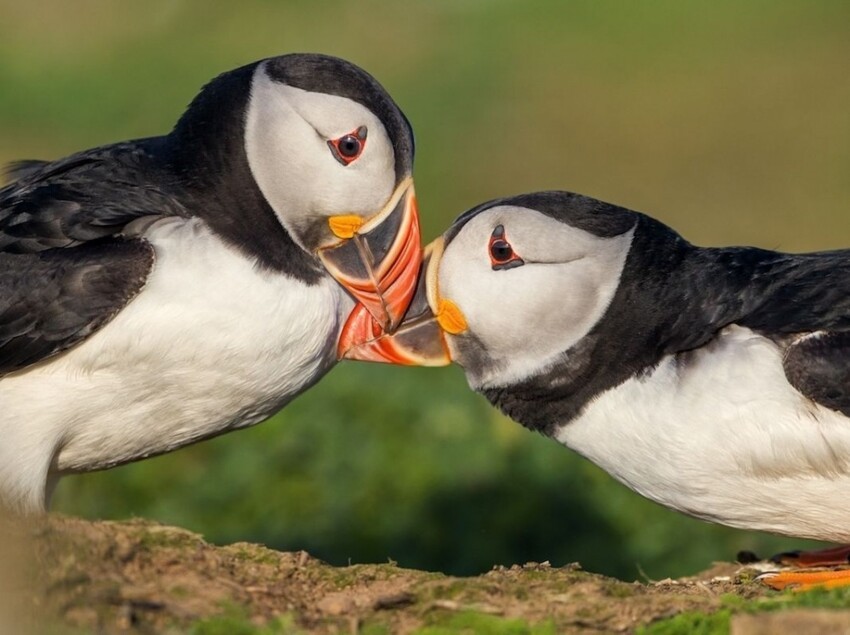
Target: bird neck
206	154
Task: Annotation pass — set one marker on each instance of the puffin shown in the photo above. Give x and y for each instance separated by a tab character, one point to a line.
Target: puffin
161	291
714	381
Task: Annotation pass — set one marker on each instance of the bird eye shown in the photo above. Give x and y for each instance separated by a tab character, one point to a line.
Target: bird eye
349	146
502	254
501	251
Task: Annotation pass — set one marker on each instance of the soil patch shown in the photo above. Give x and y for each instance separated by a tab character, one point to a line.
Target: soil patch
76	576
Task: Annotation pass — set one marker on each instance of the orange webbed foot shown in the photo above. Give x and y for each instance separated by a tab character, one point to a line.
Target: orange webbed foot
805	580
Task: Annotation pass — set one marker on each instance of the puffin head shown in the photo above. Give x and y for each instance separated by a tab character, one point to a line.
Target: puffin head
510	287
324	157
333	155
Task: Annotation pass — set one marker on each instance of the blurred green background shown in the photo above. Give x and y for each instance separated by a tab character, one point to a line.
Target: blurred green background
729	120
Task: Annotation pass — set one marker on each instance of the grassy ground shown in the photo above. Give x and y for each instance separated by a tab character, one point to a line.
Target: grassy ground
727	120
139	577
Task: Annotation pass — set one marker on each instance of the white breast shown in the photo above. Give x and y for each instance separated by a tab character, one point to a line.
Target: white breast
724	437
212	343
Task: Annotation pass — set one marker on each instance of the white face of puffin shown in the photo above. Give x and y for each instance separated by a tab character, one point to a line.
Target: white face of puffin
512	290
316	156
526	286
327	167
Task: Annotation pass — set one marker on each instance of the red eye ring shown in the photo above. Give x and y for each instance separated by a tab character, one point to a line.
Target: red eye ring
502	254
349	147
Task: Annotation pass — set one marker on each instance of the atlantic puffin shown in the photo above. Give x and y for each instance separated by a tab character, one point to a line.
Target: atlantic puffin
161	291
714	381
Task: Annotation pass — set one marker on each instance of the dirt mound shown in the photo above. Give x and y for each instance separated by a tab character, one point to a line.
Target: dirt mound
142	577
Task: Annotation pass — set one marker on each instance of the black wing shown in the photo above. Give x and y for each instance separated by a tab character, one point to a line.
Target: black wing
803	303
818	365
51	300
65	268
21	169
84	197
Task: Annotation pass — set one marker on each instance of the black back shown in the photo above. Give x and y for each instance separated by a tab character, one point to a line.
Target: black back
86	196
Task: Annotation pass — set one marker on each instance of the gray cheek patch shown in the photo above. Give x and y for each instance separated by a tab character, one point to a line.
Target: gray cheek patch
476	362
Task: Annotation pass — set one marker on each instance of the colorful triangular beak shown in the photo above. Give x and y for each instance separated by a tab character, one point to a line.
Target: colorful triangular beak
378	262
419	340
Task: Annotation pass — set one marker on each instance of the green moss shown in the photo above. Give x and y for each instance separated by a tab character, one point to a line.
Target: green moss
747	576
690	624
235	621
340	578
732	600
705	624
481	624
817	598
253	553
620	590
449	590
343	577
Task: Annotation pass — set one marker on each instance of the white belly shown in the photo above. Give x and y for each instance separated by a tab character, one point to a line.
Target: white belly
211	344
725	438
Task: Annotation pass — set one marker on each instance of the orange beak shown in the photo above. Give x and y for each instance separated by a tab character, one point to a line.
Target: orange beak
379	261
419	339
